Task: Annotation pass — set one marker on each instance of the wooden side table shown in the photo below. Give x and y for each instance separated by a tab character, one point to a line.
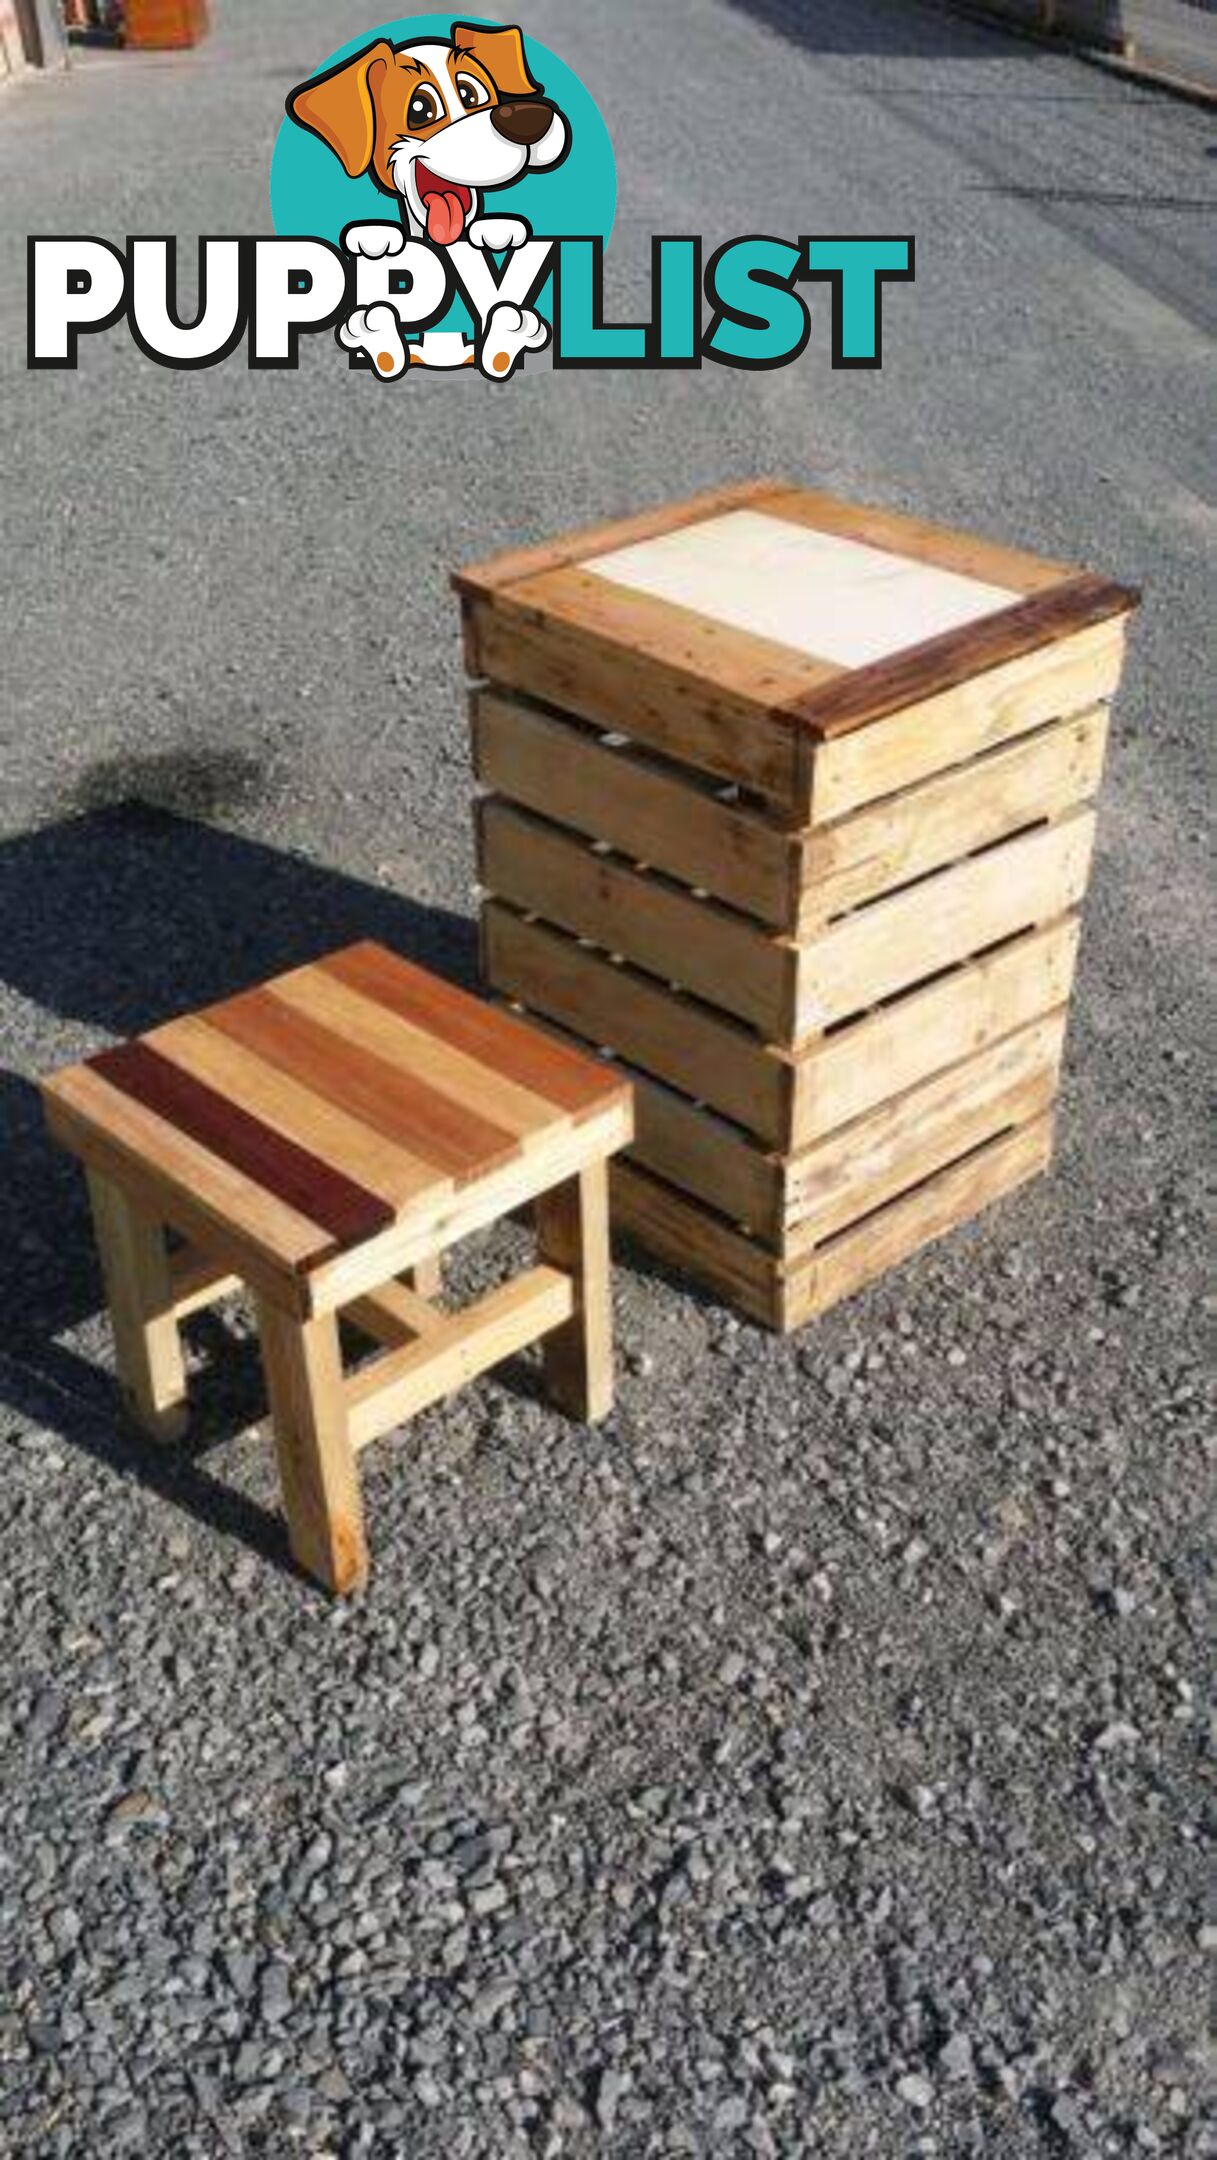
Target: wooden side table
790	803
322	1140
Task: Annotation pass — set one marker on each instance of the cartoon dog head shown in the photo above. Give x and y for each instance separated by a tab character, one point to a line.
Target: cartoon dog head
436	123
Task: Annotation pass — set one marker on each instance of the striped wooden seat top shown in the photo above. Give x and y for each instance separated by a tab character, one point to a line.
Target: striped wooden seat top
322	1108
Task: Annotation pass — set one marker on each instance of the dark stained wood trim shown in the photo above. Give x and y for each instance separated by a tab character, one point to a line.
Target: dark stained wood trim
346	1211
942	663
571	1080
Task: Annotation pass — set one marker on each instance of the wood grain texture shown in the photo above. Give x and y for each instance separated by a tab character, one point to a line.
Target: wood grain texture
902	534
662	700
1055	683
424	1231
484	1096
573	1236
694	1241
516	564
718	954
400	1383
924	671
140	1296
929	825
864	1164
317	1472
691	1239
384	1095
946	1201
565	1078
907	936
655	812
853	1069
711	1057
827	595
290	1173
174	1180
296	1110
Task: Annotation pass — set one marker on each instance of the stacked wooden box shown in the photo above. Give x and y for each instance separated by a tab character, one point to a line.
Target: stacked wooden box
788	810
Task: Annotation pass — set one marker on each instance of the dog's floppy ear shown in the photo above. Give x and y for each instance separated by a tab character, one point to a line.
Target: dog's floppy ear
501	53
338	106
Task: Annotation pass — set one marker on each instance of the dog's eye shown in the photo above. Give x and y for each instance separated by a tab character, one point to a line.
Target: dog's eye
422	109
472	93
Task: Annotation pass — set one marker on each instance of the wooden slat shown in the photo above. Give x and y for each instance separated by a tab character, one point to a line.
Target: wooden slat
734	660
926	826
718	954
847	1263
485	1097
689	1238
706	1155
662	700
426	1122
295	1109
902	534
400	1383
909	935
515	564
290	1173
675	1037
1055	684
923	671
428	1228
197	1281
859	1066
394	1314
654	813
181	1183
565	1078
870	1161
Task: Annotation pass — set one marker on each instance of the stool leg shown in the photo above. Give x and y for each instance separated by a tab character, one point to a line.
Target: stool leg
317	1471
147	1344
572	1233
427	1277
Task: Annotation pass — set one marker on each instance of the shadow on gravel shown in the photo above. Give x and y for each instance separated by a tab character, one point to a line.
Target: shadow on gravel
119	919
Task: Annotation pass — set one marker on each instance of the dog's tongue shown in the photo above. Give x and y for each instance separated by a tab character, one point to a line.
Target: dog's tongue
445	218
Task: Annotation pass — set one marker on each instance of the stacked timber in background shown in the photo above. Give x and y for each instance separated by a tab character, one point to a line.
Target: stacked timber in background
788	809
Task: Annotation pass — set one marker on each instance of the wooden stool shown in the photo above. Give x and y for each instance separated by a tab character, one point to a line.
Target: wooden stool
317	1139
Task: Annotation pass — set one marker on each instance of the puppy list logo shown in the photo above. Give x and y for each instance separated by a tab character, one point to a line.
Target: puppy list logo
502	184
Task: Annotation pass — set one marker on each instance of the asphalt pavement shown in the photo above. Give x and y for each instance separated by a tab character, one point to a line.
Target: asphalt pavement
808	1763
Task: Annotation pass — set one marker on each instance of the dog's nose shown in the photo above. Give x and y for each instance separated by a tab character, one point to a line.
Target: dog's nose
523	123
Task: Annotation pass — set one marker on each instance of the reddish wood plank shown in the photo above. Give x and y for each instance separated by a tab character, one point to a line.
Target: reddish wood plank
345	1210
941	663
508	1048
384	1096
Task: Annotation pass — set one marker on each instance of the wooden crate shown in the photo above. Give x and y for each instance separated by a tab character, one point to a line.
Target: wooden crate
788	807
162	25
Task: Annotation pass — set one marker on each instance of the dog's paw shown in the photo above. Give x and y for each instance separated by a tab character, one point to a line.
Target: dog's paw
509	333
376	332
374	241
497	233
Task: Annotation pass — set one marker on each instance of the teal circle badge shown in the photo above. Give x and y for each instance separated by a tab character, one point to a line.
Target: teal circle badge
311	191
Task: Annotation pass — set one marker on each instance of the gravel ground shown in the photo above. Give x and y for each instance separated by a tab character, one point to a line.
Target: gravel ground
807	1762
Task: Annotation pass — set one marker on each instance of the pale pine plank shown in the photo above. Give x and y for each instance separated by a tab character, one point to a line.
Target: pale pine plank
912	934
295	1110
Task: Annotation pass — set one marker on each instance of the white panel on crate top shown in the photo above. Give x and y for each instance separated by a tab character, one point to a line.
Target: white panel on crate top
839	600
